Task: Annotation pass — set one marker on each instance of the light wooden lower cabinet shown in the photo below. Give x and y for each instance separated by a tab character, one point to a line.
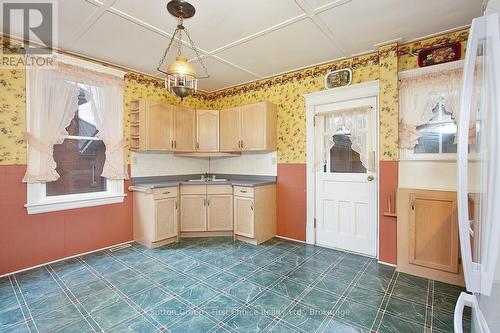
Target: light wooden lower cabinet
156	216
206	209
428	243
193	212
220	212
255	213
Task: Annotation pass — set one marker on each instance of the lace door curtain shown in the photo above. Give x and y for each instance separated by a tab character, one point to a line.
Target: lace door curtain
354	120
53	101
418	95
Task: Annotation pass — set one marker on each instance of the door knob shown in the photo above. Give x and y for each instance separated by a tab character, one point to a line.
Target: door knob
370	178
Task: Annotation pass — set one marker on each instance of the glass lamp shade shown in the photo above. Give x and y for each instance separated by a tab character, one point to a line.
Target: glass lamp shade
181	78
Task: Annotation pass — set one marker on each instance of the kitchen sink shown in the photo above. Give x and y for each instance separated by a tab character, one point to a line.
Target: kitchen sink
208	180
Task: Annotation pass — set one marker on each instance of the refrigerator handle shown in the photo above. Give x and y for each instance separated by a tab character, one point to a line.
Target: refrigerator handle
471	271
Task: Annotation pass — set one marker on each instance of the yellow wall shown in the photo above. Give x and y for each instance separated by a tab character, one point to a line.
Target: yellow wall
286	91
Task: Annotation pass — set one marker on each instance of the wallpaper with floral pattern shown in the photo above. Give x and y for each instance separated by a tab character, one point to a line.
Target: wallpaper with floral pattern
388	110
286	91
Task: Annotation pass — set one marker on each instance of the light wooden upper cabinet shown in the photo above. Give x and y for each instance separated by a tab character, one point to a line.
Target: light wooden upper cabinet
159	126
207	130
433	230
185	129
230	130
248	128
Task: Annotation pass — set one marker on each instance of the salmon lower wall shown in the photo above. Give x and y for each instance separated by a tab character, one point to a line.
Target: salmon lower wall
388	185
30	240
291	200
291	205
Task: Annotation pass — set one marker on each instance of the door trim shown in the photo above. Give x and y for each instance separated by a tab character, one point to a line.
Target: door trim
313	101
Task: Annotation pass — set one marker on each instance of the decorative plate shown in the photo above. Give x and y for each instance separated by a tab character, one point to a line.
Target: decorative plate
439	54
338	78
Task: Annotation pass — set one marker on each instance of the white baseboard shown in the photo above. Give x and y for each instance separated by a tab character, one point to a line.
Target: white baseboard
65	258
386	263
290	239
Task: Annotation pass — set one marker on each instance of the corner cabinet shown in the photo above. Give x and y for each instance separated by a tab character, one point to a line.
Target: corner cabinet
206	210
428	234
248	128
207	130
255	213
155	216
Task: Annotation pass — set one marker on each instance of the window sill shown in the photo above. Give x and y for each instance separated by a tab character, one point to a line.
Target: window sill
48	205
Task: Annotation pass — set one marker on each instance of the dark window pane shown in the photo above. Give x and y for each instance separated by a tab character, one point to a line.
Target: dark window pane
342	158
80	164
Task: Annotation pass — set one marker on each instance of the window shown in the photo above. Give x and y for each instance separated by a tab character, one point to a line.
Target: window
342	158
79	152
438	135
80	158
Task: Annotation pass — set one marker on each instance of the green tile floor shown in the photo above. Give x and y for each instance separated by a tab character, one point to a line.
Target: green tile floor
217	285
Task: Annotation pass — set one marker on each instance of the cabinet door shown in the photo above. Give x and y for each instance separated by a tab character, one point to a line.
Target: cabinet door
207	130
193	212
433	231
159	128
253	126
165	218
230	130
243	216
185	129
220	213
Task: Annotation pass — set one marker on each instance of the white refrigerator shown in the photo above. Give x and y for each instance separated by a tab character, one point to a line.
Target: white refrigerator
478	187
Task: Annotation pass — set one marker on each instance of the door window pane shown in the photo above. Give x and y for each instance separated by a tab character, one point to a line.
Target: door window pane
343	159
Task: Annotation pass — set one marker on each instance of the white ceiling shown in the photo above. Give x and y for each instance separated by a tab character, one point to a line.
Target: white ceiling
246	40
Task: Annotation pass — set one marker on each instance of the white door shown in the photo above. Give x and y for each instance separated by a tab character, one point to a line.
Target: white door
346	185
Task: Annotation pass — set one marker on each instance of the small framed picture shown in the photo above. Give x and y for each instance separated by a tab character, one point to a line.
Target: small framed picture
338	78
439	54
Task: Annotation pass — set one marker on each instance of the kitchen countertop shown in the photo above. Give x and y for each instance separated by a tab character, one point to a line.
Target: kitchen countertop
233	180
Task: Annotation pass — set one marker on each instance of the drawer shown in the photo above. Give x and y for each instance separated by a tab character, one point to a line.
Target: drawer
243	191
219	189
193	189
164	193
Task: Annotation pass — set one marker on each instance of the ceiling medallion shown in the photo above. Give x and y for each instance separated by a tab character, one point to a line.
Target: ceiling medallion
181	78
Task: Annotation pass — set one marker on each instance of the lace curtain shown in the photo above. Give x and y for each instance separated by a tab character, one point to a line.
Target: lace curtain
418	95
351	120
53	94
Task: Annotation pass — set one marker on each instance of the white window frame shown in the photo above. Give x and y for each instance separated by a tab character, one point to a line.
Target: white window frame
37	199
410	155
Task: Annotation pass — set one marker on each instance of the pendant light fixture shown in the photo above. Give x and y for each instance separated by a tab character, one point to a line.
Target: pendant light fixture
181	78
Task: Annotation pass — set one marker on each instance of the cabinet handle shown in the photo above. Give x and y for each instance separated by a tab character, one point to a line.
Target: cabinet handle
166	192
172	144
241	144
175	204
204	202
412	206
197	145
208	202
243	191
175	143
251	206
